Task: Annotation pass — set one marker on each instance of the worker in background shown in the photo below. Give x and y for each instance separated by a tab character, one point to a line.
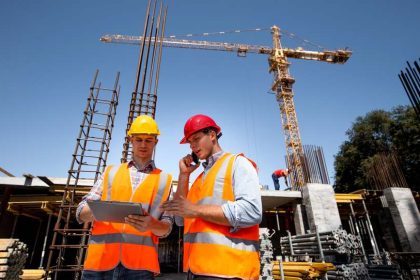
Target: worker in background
129	250
278	174
221	210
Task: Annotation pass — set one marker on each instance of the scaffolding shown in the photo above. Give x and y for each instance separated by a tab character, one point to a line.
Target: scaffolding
69	241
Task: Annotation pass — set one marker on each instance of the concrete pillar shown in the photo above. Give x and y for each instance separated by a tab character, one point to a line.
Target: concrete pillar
298	218
406	217
321	207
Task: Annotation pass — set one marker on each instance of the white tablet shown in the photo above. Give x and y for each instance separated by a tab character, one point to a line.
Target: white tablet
114	211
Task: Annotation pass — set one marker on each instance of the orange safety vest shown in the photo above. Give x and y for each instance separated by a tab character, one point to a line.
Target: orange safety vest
112	243
211	249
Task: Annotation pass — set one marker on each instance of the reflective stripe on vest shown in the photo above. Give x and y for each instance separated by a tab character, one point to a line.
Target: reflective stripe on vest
211	249
122	238
111	243
111	175
219	239
161	195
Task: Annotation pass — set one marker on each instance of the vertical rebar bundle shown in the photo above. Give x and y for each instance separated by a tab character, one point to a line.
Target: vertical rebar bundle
314	165
69	241
410	79
144	95
385	172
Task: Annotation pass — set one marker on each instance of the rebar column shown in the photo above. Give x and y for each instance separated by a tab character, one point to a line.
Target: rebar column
144	96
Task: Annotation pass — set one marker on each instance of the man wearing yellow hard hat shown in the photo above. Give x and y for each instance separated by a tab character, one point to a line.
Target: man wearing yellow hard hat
129	250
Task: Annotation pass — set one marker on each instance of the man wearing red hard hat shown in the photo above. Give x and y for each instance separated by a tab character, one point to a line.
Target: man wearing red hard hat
221	210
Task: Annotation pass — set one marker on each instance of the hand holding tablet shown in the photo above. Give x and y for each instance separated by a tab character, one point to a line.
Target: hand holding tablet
114	211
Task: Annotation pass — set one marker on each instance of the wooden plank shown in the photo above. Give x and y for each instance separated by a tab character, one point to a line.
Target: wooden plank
5	254
32	274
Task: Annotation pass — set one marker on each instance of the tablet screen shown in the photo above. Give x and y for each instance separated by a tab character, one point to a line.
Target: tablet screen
114	211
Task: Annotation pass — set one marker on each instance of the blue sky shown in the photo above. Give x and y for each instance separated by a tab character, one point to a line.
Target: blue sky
50	50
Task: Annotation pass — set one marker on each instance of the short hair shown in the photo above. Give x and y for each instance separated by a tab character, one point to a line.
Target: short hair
208	129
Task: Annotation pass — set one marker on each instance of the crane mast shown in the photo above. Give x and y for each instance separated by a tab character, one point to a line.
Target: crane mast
282	84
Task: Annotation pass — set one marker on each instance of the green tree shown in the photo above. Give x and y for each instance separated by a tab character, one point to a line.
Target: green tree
379	132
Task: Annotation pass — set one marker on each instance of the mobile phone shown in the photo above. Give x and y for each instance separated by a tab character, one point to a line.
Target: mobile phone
194	157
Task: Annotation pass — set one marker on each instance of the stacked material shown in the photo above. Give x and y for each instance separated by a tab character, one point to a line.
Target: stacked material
384	272
353	271
336	242
266	255
32	274
301	270
13	254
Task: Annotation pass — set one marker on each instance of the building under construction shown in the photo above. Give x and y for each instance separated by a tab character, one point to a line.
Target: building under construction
307	232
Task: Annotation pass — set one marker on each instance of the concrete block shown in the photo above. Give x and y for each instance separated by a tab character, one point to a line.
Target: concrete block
299	219
321	207
406	217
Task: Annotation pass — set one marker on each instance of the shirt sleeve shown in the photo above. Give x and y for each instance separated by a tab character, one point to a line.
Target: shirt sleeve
169	218
95	193
246	210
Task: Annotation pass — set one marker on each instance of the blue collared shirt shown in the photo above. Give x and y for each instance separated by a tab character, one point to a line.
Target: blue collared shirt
246	209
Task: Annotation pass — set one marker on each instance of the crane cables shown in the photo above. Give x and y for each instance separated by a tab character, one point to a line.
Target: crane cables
220	32
297	38
283	32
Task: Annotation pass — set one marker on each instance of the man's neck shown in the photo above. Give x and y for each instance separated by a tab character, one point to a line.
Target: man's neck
215	150
141	162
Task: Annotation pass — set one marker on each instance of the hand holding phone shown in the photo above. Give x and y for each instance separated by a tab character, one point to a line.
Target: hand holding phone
195	158
189	163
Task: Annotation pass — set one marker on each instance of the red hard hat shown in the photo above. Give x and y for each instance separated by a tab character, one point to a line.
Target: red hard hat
197	123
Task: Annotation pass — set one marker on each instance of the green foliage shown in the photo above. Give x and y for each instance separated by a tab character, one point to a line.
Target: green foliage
379	132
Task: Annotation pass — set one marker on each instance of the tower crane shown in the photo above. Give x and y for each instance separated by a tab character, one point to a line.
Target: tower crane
282	82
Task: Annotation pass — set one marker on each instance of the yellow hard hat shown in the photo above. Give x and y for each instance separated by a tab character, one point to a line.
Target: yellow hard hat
144	124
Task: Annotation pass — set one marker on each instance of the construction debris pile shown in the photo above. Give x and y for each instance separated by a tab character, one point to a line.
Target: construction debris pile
266	254
13	254
336	242
301	270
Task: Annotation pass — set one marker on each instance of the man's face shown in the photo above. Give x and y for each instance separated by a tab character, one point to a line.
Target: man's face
202	144
143	145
